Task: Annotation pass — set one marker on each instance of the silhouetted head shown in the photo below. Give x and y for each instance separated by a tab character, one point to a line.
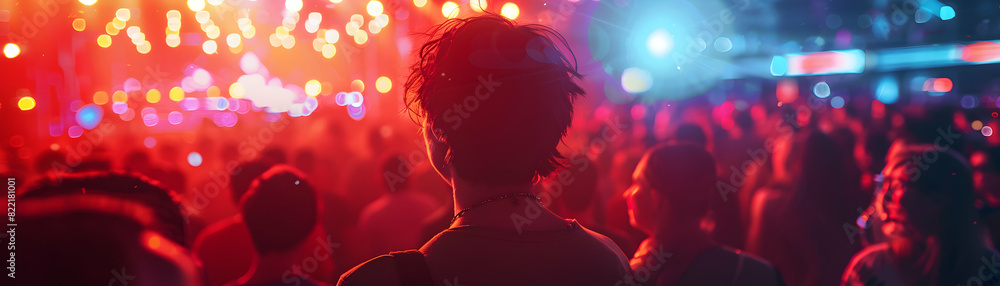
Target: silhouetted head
280	210
691	133
925	193
494	97
166	205
672	183
96	240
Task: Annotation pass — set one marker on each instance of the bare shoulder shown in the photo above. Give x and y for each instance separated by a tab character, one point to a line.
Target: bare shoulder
377	271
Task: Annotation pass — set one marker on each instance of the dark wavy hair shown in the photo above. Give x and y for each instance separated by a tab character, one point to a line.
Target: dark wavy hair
498	94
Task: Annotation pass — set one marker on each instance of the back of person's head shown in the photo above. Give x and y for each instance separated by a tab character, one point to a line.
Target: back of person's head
96	240
690	133
166	204
280	210
497	94
684	174
243	176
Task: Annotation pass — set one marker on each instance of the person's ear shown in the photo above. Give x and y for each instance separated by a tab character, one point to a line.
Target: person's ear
437	152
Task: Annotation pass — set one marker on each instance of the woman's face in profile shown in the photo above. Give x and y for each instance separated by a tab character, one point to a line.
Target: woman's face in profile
908	213
640	200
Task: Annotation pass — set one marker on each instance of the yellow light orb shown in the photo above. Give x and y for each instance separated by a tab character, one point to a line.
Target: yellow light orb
153	96
88	2
419	3
26	103
173	40
383	84
374	7
329	51
236	90
119	96
361	37
176	94
144	47
79	24
209	47
104	41
196	5
313	88
449	9
123	14
478	5
11	50
510	11
233	40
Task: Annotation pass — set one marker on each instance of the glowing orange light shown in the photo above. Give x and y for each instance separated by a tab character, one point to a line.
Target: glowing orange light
100	98
942	84
79	24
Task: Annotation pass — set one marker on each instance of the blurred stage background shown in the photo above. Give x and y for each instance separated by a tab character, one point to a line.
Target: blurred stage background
190	78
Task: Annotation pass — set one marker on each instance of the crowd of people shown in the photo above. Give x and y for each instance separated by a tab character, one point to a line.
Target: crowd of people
523	191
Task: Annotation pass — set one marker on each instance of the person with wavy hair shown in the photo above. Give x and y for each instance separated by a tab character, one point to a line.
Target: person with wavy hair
494	99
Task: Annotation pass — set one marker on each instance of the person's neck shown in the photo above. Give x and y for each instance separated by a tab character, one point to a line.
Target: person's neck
467	194
517	213
270	267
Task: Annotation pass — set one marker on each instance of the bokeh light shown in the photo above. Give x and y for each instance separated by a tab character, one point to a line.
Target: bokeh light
100	98
636	80
660	43
383	84
312	87
374	8
449	9
194	159
79	24
104	41
510	11
26	103
987	131
11	50
478	5
419	3
209	47
153	96
89	116
176	94
196	5
821	89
